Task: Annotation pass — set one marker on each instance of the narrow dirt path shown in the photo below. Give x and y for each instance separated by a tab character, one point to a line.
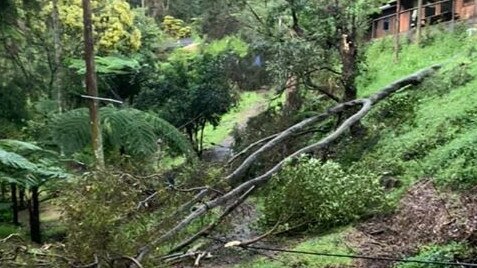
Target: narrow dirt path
223	151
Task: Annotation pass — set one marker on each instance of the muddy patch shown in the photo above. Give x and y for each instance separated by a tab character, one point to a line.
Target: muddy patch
424	216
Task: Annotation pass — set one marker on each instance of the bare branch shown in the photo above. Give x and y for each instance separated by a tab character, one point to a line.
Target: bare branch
250	147
144	202
322	89
133	260
102	99
206	231
192	202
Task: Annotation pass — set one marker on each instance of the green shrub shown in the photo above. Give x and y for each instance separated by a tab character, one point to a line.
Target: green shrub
323	195
447	253
454	163
7	229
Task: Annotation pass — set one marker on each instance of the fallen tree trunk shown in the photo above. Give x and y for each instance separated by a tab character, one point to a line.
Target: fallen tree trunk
366	105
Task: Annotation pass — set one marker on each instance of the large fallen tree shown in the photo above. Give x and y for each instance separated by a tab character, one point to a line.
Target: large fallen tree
239	193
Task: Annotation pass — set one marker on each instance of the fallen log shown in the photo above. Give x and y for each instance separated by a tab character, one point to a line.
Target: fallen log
366	105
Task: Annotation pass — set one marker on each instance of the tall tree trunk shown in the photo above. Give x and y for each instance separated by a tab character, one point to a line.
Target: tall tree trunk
91	85
419	22
58	52
13	188
34	210
4	191
293	100
349	61
21	197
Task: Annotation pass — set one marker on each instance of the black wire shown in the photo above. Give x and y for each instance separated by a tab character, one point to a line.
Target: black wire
463	264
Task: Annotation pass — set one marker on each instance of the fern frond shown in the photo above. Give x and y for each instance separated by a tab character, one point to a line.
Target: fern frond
107	65
25	148
171	135
11	160
133	130
17	146
71	130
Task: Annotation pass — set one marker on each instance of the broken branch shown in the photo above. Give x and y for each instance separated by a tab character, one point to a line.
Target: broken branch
366	105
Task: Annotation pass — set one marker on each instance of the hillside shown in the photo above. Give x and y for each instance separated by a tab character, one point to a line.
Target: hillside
236	134
422	142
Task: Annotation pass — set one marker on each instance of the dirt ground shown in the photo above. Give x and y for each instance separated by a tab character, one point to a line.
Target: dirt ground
425	216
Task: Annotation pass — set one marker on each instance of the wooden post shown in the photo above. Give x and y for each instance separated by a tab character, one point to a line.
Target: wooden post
419	21
91	85
398	31
373	29
453	14
13	188
475	9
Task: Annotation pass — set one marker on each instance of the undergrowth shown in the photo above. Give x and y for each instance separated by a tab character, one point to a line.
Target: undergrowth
425	131
439	253
332	243
428	130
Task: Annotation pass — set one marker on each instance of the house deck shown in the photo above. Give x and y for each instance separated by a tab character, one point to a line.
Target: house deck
431	12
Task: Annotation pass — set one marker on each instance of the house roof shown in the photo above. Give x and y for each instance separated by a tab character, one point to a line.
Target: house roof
388	5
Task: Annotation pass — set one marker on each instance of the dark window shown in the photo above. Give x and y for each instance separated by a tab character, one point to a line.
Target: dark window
386	24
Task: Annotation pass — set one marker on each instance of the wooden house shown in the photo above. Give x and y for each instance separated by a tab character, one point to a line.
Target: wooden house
406	12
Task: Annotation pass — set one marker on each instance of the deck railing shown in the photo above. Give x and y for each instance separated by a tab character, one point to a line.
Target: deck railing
442	15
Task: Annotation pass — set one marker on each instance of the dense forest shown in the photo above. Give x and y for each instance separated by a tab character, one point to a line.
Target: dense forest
276	133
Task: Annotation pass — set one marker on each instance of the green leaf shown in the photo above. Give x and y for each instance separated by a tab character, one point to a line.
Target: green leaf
15	161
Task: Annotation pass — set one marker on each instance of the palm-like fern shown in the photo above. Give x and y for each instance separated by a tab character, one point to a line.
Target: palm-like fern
29	166
25	163
135	131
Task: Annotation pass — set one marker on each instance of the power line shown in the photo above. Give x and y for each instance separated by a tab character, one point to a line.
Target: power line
460	264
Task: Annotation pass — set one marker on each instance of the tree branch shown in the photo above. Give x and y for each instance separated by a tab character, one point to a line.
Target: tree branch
366	105
205	231
322	89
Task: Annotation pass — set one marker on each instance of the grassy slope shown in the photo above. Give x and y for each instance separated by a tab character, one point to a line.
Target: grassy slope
431	123
248	102
427	130
332	243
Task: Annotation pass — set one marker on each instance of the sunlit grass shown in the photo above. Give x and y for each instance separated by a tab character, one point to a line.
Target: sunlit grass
332	243
238	115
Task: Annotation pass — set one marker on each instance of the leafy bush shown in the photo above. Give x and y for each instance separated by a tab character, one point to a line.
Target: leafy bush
96	209
321	194
446	253
454	163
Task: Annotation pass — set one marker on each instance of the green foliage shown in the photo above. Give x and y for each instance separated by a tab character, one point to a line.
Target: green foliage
15	161
380	68
227	44
249	102
103	206
191	91
428	130
440	253
135	132
322	195
6	230
27	164
95	210
113	22
107	65
176	27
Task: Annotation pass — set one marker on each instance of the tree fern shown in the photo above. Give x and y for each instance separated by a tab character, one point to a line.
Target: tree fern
10	160
16	168
170	134
135	131
24	148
